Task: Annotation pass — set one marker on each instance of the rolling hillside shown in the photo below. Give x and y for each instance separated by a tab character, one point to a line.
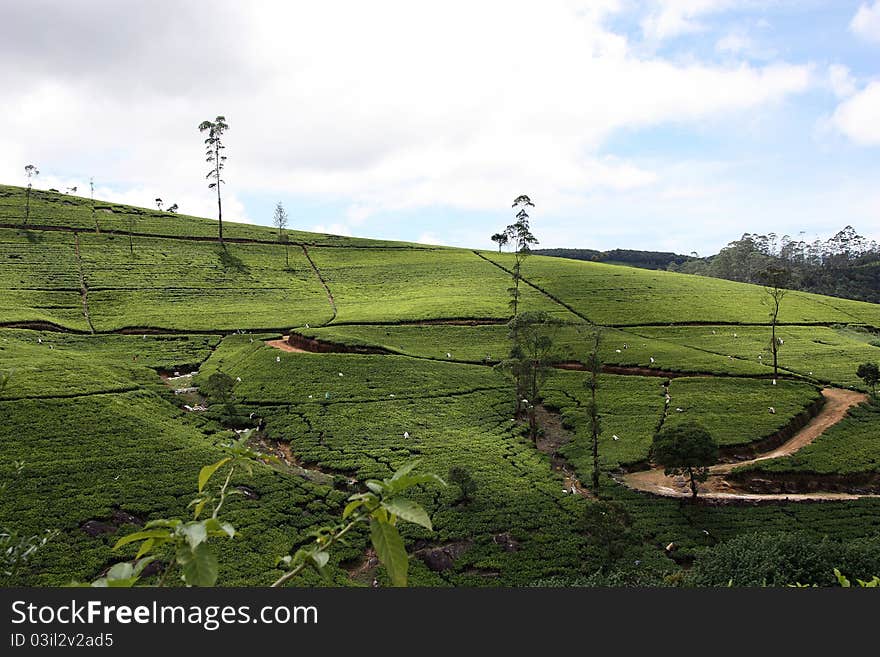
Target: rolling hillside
104	307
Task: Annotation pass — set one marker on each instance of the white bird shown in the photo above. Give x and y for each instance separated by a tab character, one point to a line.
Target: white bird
391	395
238	379
307	326
734	335
811	373
713	331
618	351
144	336
616	437
406	434
774	381
760	358
448	355
310	396
340	374
277	359
772	410
652	360
625	346
680	410
252	340
39	340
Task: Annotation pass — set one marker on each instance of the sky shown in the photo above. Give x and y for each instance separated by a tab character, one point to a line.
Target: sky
646	124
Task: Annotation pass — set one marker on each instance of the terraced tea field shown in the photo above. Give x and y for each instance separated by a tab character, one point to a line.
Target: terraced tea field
108	346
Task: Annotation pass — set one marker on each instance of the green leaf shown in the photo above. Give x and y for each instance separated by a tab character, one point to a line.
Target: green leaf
200	506
199	565
320	559
390	550
195	533
376	486
408	510
146	546
142	536
206	472
351	507
408	481
217	528
405	469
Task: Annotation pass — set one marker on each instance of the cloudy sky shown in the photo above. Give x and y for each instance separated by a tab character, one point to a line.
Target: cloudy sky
656	124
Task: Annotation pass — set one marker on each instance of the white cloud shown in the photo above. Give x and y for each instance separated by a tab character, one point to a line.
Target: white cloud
866	22
672	18
332	229
430	238
857	116
841	81
377	106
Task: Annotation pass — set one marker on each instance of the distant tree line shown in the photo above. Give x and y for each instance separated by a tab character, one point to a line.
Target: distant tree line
845	265
631	257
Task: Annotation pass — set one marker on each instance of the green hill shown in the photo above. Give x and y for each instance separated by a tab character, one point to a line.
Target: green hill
96	301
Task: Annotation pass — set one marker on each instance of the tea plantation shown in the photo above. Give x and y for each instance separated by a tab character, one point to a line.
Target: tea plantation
113	319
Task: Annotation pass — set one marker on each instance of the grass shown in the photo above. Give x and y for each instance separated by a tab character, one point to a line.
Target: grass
737	412
477	344
372	285
624	296
828	355
99	431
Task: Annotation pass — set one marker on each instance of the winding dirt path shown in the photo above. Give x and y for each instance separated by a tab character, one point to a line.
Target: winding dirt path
838	402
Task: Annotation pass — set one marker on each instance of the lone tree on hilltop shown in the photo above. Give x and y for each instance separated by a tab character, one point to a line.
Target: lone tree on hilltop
522	237
30	171
775	281
214	156
502	239
870	374
92	196
279	219
685	449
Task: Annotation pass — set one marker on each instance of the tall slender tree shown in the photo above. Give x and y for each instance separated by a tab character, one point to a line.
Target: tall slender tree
775	280
594	368
520	234
30	171
92	196
280	221
214	156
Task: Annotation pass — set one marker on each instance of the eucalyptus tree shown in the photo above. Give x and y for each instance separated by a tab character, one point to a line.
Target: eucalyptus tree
594	368
279	219
31	172
775	281
502	239
214	148
92	196
521	235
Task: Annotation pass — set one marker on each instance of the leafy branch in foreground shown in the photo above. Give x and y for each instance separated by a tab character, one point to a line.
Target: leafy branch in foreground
185	543
380	508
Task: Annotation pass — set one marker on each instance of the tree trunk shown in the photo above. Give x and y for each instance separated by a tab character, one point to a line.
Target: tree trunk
773	345
219	205
594	421
690	472
287	255
27	207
